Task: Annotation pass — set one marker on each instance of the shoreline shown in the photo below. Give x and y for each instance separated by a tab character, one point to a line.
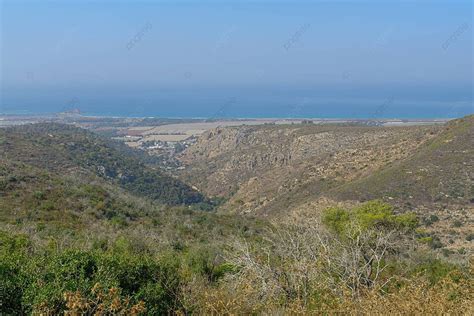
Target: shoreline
4	116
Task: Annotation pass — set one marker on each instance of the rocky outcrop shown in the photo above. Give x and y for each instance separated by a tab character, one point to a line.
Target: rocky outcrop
264	168
298	170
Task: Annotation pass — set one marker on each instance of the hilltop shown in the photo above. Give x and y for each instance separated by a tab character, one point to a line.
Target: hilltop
442	170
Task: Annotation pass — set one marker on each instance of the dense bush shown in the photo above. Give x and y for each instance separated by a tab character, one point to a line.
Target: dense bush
38	282
354	261
58	148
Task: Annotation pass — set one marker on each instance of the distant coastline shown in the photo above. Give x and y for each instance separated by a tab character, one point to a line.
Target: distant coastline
210	118
209	122
414	118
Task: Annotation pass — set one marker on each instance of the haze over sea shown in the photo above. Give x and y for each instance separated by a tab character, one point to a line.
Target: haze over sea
241	103
211	109
328	59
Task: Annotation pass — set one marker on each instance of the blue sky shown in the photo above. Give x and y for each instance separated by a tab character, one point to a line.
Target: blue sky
156	57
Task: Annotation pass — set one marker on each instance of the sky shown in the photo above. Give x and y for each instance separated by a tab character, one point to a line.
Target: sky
238	58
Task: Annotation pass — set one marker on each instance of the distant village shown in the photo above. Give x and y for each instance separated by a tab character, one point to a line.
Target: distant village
163	152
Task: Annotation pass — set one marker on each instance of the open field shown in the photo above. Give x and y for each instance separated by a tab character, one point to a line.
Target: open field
182	131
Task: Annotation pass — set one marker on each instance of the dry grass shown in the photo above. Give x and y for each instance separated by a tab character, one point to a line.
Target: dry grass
417	297
105	302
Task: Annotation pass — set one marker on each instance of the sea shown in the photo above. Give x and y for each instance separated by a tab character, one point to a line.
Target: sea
235	104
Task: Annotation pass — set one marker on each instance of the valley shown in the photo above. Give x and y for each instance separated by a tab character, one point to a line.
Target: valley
181	158
201	218
280	169
297	170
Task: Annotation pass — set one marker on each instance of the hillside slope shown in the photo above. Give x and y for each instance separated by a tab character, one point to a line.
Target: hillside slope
298	170
34	196
266	169
67	150
442	170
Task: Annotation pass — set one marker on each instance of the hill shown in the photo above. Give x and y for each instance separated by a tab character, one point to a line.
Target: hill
259	168
61	183
74	218
69	151
442	170
80	235
297	170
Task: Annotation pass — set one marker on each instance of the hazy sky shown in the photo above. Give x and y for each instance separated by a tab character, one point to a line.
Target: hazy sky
55	54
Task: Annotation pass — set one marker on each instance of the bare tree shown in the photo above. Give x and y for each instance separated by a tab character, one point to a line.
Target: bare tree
358	258
300	258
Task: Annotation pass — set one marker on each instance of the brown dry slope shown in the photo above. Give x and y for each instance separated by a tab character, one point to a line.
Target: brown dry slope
442	170
436	181
265	169
299	169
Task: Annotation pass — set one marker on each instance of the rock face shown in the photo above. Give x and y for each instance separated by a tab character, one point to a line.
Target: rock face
296	170
259	168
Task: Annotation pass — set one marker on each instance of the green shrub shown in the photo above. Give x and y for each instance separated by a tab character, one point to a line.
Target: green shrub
37	282
435	243
434	270
39	195
336	219
368	215
13	254
52	274
206	262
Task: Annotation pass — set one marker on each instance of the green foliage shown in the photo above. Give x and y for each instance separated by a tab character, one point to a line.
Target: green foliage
426	240
431	219
336	219
368	215
51	274
13	244
434	269
39	195
13	251
416	178
90	226
205	261
40	280
407	220
435	242
39	145
373	213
